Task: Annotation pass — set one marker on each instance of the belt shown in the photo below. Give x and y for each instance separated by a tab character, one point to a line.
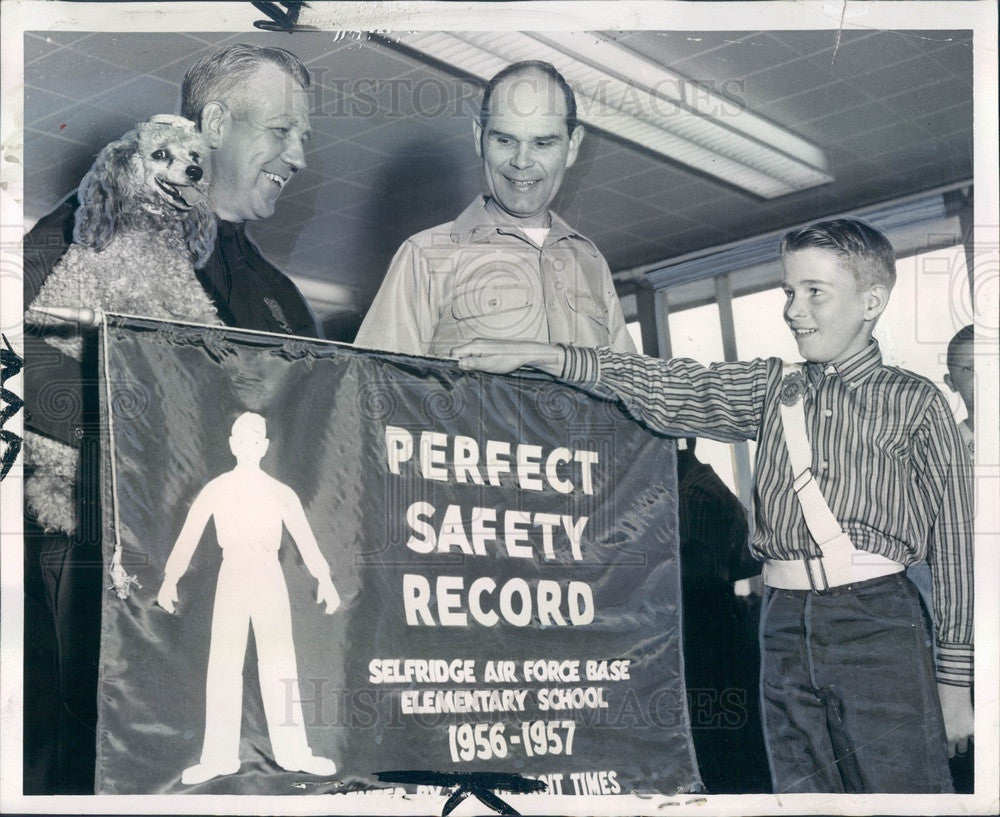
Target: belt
840	564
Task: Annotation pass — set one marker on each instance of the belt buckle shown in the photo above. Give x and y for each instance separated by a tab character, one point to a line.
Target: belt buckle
821	575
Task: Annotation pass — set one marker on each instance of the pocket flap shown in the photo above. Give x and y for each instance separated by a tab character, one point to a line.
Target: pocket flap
491	299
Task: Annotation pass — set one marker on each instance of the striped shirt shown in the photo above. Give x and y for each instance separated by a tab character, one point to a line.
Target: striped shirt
886	453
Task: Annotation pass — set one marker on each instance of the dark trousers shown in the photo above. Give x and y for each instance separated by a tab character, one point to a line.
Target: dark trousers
62	601
848	692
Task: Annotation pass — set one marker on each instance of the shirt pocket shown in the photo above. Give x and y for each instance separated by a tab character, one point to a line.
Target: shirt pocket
880	434
481	300
589	318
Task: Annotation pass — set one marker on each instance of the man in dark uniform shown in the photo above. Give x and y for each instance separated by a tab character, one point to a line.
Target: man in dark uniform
250	103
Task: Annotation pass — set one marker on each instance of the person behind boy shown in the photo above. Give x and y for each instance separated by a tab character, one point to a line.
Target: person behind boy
961	379
848	681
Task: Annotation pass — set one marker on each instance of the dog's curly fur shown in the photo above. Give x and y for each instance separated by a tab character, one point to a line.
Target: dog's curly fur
142	228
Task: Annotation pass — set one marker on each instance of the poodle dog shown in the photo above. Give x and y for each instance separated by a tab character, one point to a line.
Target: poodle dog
142	227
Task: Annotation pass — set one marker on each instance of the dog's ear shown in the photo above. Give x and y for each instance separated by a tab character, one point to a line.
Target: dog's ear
199	234
104	193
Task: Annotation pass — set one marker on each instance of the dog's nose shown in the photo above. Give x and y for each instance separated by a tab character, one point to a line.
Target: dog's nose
194	173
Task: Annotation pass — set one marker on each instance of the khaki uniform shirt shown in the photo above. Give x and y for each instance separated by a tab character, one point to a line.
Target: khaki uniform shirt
479	277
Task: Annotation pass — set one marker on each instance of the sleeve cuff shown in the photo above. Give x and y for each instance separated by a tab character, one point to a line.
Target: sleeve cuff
955	664
580	366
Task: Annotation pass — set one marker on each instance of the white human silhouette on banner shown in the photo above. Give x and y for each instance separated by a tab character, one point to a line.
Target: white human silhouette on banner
250	507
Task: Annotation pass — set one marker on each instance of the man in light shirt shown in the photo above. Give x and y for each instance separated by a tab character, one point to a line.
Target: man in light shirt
508	267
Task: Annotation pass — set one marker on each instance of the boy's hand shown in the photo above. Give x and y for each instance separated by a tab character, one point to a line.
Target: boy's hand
956	707
503	356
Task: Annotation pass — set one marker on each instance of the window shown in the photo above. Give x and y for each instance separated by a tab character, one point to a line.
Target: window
635	330
697	333
929	304
761	330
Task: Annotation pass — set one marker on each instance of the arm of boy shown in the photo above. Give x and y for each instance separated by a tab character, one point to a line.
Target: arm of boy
944	481
679	397
503	357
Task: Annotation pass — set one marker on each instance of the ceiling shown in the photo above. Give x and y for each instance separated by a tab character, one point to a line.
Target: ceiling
392	150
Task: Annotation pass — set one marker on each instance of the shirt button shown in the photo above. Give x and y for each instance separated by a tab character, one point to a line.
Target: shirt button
831	369
558	285
828	413
824	464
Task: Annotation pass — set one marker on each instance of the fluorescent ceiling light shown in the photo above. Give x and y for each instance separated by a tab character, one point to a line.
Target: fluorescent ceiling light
634	98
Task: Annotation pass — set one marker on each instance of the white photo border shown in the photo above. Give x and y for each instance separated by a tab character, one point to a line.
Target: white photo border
19	16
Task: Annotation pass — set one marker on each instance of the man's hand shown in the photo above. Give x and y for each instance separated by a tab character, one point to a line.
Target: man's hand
327	593
959	721
167	597
503	356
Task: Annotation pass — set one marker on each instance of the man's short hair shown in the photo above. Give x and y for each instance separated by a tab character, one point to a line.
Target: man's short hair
221	75
526	67
967	334
862	248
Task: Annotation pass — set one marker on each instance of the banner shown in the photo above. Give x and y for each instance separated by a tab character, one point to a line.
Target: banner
336	569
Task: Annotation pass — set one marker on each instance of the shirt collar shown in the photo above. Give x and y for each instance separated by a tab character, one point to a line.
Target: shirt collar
231	228
857	367
477	223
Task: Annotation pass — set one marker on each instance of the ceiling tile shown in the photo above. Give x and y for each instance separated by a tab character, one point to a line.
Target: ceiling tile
893	78
770	84
364	65
795	111
848	122
611	167
735	60
956	56
956	119
656	180
806	42
48	182
39	46
42	43
140	98
671	48
927	99
887	136
661	225
851	53
40	102
89	125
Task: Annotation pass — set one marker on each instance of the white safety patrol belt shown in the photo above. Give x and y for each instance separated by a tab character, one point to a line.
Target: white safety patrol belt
840	563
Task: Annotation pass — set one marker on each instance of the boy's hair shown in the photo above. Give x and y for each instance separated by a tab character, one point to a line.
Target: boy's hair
526	67
862	248
222	74
964	335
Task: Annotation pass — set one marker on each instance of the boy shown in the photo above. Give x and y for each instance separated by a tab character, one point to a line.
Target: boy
848	687
961	378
